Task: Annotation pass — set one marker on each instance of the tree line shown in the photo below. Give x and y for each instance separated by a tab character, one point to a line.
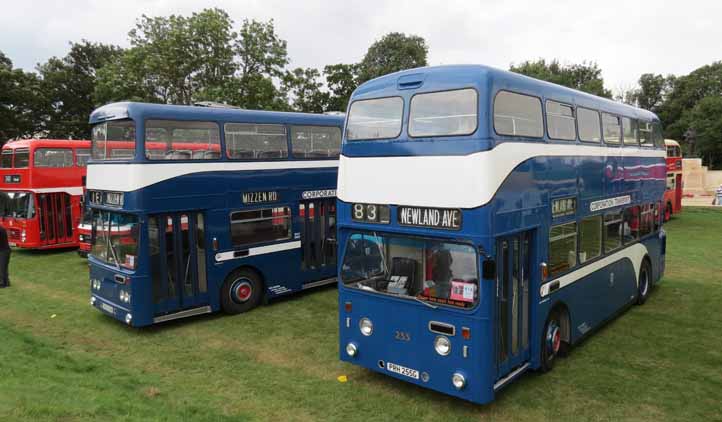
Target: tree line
208	57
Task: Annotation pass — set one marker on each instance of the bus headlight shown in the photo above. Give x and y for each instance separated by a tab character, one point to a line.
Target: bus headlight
458	380
128	318
351	350
442	345
124	296
92	300
366	326
23	235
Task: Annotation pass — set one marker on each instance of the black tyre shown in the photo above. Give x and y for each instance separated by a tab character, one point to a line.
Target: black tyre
242	291
551	342
645	283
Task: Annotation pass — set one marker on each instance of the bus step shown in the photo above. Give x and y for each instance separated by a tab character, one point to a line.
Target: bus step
183	314
319	283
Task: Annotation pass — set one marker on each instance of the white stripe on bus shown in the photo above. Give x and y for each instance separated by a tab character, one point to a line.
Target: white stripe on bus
71	190
260	250
634	253
467	181
133	176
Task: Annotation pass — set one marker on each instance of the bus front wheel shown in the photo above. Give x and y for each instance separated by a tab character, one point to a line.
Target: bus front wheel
242	291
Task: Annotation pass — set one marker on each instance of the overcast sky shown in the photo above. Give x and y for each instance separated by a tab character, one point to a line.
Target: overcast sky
626	38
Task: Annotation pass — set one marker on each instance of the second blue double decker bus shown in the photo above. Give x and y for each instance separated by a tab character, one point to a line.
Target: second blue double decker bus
488	221
197	209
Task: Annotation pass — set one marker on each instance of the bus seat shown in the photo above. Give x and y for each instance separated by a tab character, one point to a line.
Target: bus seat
402	275
271	154
178	155
317	153
243	154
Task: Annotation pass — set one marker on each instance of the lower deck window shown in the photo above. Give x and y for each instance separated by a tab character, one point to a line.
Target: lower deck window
590	238
612	231
631	225
262	225
115	239
562	248
424	269
647	221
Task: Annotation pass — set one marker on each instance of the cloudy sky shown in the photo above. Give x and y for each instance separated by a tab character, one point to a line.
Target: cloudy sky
626	38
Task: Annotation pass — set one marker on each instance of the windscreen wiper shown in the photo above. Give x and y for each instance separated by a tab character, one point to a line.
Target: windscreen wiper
420	301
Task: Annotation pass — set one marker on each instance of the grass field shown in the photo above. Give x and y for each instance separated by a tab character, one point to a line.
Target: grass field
62	360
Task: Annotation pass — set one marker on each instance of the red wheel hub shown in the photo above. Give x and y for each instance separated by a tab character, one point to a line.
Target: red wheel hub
557	341
243	291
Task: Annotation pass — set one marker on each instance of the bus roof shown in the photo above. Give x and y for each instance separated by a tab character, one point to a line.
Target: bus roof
671	143
439	78
47	143
145	111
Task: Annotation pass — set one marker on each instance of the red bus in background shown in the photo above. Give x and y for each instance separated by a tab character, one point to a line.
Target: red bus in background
85	229
673	194
41	185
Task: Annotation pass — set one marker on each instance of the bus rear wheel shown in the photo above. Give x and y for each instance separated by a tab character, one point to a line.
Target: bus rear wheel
668	212
551	342
242	291
643	286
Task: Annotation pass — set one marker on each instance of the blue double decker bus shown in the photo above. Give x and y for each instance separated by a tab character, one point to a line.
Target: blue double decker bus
488	221
198	209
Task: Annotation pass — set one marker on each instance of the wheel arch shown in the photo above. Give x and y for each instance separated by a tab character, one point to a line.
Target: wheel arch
565	320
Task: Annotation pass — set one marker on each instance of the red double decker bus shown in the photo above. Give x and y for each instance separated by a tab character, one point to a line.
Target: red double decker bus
673	194
41	189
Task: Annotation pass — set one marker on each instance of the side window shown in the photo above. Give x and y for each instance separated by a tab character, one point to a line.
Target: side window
562	248
182	140
7	159
630	131
647	221
612	231
53	157
245	141
612	128
518	115
590	238
82	155
258	226
312	142
560	121
630	231
657	136
645	134
589	129
657	216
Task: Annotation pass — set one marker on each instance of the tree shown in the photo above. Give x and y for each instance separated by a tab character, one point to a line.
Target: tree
341	80
305	90
706	119
21	102
395	51
585	77
652	91
69	86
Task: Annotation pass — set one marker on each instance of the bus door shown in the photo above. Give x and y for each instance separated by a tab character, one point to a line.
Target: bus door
177	251
512	302
678	192
318	234
55	218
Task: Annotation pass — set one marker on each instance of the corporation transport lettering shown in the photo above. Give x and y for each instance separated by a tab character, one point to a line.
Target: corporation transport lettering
259	197
430	217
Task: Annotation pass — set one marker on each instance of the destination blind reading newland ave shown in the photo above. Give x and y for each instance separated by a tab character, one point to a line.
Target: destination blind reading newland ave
430	217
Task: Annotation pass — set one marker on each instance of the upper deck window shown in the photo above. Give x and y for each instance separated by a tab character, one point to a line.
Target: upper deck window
612	128
312	142
7	159
182	140
53	157
560	121
518	115
645	134
22	158
445	113
247	141
630	131
379	118
113	135
588	121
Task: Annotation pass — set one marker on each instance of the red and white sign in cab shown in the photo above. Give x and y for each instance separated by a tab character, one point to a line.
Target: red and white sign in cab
673	194
41	186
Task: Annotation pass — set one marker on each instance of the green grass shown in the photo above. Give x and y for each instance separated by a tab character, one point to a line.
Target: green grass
62	360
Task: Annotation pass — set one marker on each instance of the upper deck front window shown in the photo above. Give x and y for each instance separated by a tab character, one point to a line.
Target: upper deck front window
7	159
113	140
379	118
445	113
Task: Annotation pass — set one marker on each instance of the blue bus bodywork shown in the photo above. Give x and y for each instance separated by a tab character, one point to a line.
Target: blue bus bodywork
176	216
511	193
